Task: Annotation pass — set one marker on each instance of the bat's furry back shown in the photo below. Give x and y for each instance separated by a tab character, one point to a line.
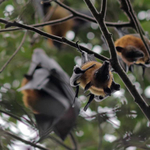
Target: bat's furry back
133	42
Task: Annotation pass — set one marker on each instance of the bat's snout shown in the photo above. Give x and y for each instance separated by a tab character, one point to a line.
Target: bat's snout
105	67
106	63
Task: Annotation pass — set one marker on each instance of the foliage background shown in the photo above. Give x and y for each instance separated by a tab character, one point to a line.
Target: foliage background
99	127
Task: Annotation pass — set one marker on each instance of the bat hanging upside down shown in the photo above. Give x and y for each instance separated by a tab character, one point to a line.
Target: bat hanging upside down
95	77
47	92
132	51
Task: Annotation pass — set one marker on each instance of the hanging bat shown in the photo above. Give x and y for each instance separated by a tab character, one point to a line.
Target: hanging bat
51	13
47	92
59	29
95	77
132	51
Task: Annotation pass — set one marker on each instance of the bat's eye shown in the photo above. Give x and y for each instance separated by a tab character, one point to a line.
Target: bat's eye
77	70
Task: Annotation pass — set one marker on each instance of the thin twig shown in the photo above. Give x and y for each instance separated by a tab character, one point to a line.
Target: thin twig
75	14
74	141
5	65
24	141
58	21
15	117
1	1
59	142
103	9
100	130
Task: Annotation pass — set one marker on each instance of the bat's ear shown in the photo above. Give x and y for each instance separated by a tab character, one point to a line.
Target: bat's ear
119	49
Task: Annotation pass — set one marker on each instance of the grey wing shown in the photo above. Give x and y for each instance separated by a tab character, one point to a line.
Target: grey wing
40	59
49	78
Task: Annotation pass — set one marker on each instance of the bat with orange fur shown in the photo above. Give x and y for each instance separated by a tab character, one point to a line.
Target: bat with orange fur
95	77
132	50
47	92
51	13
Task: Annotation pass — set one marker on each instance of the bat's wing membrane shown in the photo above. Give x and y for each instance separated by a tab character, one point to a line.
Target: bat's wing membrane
49	78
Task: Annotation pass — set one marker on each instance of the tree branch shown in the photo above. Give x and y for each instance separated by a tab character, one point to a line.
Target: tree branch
22	140
5	65
56	38
75	14
15	117
59	142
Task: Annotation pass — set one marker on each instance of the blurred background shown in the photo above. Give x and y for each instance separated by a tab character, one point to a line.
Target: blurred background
116	123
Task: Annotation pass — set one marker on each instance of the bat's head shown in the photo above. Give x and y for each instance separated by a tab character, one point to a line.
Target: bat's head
102	74
130	52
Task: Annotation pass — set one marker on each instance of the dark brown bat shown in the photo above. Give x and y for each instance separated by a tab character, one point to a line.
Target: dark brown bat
95	77
47	92
59	13
132	51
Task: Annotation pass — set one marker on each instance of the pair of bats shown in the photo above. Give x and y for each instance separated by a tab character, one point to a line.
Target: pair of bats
47	92
97	77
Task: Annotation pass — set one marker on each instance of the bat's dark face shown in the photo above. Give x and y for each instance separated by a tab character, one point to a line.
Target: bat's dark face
131	53
102	74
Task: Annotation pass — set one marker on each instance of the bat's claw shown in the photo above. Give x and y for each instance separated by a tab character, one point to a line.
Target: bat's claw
89	101
107	91
76	95
78	70
115	86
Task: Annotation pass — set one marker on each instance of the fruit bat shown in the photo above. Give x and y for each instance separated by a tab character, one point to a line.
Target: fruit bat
130	48
51	12
47	92
95	77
